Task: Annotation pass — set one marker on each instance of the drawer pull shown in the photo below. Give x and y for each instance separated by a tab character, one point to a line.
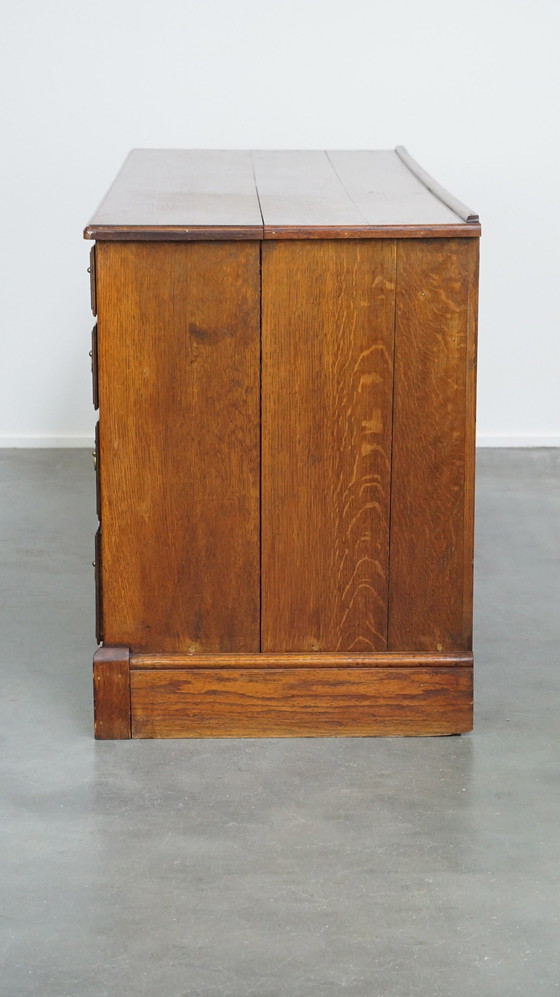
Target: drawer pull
94	458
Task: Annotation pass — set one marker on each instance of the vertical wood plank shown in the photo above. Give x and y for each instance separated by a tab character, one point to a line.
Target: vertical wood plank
178	355
327	351
433	446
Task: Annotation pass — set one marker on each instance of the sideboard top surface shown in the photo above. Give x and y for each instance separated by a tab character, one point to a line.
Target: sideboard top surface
176	194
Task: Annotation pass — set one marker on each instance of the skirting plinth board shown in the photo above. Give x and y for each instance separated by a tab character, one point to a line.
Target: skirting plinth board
287	695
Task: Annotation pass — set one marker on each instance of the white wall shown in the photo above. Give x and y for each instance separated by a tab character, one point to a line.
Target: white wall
470	88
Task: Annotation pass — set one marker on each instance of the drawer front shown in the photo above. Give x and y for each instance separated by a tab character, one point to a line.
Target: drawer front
97	467
94	374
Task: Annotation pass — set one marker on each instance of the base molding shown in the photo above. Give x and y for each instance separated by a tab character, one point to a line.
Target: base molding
281	695
290	659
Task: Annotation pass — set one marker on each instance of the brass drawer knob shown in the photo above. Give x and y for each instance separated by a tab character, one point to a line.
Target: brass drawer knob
94	458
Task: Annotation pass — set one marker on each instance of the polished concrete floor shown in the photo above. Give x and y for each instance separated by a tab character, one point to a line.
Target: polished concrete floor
278	868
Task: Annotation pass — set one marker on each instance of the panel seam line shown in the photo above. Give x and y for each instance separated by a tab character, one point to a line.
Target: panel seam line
257	192
348	195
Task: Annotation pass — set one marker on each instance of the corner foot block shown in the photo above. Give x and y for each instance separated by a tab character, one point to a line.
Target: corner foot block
111	693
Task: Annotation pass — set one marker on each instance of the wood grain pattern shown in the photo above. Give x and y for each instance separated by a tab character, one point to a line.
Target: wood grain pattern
322	659
111	693
470	442
433	446
327	347
192	194
178	353
292	702
285	451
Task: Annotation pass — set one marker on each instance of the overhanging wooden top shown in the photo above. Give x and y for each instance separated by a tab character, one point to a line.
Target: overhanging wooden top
174	194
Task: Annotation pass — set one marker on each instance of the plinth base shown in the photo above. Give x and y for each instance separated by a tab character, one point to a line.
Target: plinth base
281	695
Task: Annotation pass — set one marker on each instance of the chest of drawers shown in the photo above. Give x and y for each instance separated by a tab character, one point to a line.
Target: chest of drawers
284	366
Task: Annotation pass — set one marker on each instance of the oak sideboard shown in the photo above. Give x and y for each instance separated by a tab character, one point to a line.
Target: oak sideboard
284	362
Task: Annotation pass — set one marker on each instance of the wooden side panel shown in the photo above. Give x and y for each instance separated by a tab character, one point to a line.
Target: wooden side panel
327	354
301	702
433	446
111	693
178	354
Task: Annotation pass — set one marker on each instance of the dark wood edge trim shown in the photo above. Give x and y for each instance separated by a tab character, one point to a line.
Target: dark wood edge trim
173	233
250	234
435	188
381	659
372	231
